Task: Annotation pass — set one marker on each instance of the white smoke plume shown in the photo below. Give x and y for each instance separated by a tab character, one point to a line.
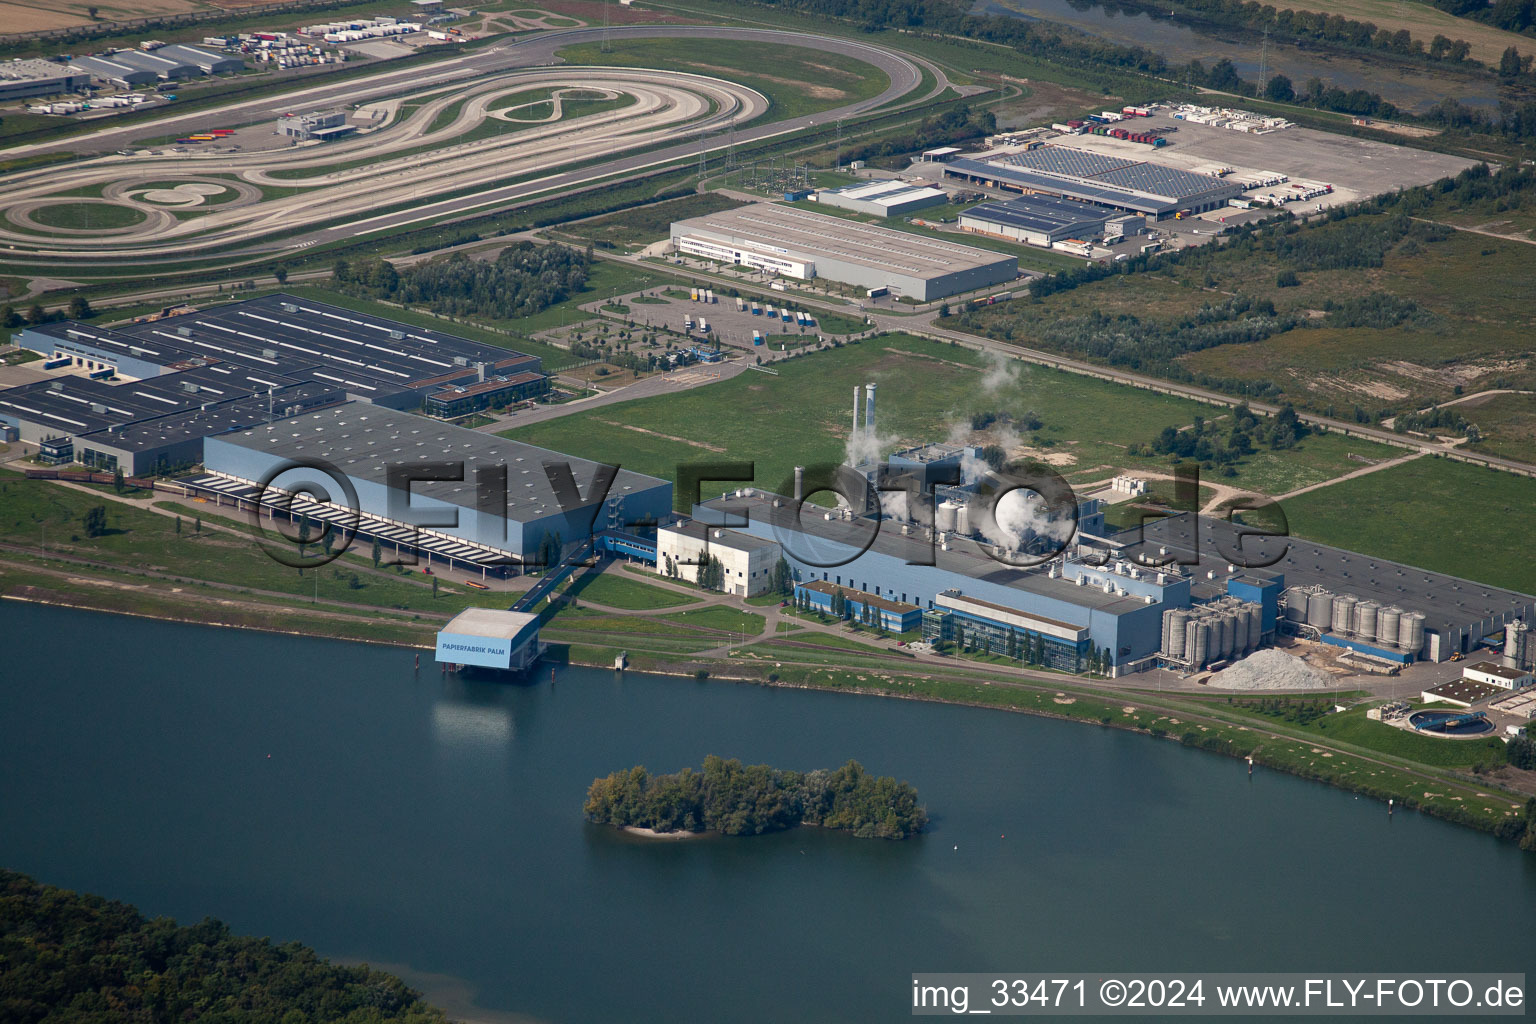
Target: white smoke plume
1002	371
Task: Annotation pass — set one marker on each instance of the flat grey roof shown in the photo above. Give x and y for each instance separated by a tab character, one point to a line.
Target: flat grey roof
490	622
196	423
797	233
964	558
363	441
722	536
1445	601
1044	214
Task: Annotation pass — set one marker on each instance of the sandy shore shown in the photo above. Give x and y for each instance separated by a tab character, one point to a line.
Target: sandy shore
648	833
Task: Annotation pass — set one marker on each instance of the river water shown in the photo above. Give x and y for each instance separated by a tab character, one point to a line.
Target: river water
325	792
1408	86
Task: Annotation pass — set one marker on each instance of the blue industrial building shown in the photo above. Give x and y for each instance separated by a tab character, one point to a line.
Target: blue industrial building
497	495
823	597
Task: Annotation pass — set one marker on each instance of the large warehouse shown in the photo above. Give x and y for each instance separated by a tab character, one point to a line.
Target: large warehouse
887	198
796	243
141	380
1043	220
22	78
508	499
1137	186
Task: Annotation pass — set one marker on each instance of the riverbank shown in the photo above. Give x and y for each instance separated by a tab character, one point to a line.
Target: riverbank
1197	721
648	833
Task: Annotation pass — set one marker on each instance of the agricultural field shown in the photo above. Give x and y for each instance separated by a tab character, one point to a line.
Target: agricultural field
928	391
1424	22
1447	516
1506	423
802	81
1444	312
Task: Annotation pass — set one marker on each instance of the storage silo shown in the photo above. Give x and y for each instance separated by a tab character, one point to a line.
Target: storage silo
1255	617
1177	631
945	517
1344	613
963	521
1387	622
1513	642
1365	620
1410	632
1320	610
1296	606
1199	642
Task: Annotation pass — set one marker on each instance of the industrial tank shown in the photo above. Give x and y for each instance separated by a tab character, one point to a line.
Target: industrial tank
1365	620
1387	622
1320	609
1255	625
1296	606
1513	641
963	521
945	516
1410	632
1344	613
1199	642
1177	630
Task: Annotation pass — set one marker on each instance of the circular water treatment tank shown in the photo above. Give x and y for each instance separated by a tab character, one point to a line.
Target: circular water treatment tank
1449	723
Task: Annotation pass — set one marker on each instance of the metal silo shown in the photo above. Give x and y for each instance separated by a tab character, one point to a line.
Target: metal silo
1410	632
1365	620
1177	630
1512	643
1199	642
1344	613
1221	636
1296	606
963	520
1255	617
1387	622
1320	610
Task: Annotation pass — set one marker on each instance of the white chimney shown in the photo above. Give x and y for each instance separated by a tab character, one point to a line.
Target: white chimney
869	411
799	483
857	398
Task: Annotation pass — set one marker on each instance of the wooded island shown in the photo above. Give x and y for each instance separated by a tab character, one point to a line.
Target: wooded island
739	800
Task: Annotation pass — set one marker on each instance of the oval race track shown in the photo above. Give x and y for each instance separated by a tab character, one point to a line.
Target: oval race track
407	161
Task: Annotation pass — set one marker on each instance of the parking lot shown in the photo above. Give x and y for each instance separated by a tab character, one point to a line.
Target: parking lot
1356	168
734	328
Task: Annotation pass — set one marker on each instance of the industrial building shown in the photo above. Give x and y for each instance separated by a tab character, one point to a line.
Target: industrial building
1135	186
746	561
793	242
22	78
114	72
896	616
322	127
889	198
135	394
1045	220
207	63
167	67
490	638
486	500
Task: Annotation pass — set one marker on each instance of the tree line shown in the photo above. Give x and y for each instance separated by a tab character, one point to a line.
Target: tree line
739	800
523	279
71	957
1215	444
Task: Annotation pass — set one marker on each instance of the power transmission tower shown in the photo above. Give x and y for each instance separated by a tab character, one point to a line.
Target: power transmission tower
607	46
1264	62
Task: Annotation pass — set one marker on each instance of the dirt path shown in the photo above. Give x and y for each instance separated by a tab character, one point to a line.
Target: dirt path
1362	471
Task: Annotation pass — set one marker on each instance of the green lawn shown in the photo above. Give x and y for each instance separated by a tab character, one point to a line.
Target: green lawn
1507	424
646	224
796	81
619	592
105	216
1354	728
1447	516
32	511
720	617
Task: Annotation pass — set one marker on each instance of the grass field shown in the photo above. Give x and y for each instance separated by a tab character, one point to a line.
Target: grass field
1447	516
720	617
1507	424
33	511
1473	333
1424	22
634	229
1354	728
801	81
928	391
78	216
620	592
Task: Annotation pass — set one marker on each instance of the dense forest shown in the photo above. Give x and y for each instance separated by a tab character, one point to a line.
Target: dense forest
524	279
68	957
743	800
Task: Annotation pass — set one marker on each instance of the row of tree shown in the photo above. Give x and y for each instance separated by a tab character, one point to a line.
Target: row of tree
739	800
67	957
1218	444
79	309
524	279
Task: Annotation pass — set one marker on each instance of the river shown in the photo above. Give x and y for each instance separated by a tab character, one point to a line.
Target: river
1411	87
325	792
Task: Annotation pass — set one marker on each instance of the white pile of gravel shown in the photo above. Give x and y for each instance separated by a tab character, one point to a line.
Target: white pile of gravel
1270	669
